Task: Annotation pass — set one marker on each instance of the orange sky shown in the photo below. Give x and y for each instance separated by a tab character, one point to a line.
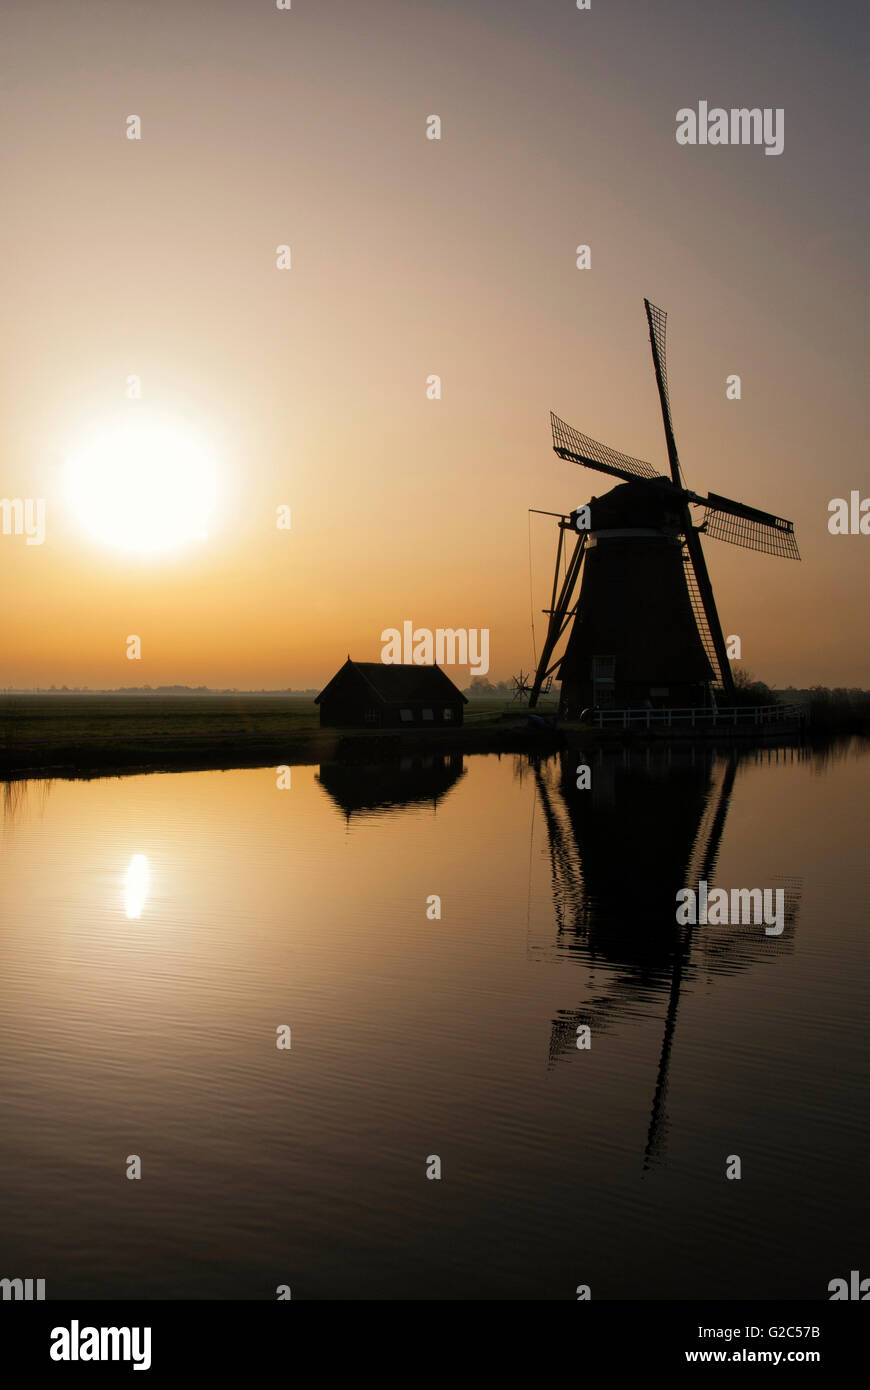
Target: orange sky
410	258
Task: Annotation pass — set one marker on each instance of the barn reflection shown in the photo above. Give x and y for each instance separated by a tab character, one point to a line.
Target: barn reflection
369	789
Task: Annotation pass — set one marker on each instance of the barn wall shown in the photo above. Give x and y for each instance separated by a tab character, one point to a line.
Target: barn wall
347	709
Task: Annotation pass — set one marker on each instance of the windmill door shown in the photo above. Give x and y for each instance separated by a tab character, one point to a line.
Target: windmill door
603	681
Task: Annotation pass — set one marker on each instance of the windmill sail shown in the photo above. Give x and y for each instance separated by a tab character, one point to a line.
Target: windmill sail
658	324
701	619
725	520
710	629
570	444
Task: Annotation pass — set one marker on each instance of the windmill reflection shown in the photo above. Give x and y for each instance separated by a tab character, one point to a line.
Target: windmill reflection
651	823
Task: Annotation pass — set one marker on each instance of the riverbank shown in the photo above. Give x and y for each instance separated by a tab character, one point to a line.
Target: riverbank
59	735
103	735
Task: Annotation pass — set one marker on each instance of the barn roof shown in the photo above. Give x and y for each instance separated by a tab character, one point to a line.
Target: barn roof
393	683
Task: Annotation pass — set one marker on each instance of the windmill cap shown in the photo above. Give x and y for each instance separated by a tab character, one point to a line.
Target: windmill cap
632	507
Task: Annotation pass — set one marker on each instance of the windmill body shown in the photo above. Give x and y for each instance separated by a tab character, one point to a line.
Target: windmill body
644	631
634	642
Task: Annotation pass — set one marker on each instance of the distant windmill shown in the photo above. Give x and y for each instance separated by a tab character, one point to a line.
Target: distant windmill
523	685
646	630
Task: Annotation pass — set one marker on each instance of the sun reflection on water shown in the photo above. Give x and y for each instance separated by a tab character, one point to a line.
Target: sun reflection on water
136	886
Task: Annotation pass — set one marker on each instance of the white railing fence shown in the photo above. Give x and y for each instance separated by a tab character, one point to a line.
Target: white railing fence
691	718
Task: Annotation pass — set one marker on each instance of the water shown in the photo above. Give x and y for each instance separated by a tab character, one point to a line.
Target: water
158	930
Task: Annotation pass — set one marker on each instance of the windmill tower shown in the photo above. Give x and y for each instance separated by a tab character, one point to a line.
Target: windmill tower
645	626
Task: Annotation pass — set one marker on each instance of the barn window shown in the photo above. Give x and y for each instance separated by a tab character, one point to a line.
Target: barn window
428	714
448	713
406	716
370	715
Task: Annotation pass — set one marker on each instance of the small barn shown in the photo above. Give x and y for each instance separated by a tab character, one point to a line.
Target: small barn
373	695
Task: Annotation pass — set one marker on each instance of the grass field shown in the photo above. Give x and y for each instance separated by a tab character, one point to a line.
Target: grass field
64	734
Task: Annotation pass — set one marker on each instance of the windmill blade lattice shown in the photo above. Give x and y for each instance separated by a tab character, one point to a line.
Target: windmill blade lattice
658	325
704	631
769	535
575	447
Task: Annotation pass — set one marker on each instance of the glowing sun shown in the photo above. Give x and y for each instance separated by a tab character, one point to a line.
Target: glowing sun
142	486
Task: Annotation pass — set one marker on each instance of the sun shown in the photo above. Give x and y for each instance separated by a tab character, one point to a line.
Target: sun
142	486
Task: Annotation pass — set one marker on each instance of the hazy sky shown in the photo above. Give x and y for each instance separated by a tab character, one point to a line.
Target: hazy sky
413	257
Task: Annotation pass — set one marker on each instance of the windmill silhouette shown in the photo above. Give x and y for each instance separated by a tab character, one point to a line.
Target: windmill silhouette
646	630
524	685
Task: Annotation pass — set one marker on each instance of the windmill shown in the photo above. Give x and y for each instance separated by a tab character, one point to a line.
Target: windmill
524	684
646	630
